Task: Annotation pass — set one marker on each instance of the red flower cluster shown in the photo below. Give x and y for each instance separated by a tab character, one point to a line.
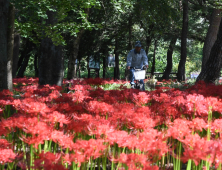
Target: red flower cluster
127	126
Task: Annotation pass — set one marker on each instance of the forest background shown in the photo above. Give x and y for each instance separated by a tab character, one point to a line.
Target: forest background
44	38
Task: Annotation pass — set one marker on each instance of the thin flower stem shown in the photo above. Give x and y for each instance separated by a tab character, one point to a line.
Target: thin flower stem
73	166
40	148
88	165
92	164
31	156
98	164
104	163
112	165
45	146
50	146
189	164
180	150
209	133
163	162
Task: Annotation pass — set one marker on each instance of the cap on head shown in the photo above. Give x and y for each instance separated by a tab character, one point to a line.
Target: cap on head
138	44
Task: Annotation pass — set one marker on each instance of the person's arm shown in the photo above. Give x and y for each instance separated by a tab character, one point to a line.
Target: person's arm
145	59
129	60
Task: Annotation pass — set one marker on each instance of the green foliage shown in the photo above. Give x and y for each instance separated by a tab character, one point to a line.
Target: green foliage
32	16
109	21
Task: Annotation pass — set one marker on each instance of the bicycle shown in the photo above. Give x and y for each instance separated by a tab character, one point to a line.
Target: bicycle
139	74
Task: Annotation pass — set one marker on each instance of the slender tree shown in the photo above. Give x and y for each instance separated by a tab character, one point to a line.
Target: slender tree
211	71
51	67
15	54
211	35
72	67
5	83
116	69
10	45
154	58
25	56
166	74
181	67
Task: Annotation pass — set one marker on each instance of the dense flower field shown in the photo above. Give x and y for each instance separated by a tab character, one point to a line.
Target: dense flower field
125	129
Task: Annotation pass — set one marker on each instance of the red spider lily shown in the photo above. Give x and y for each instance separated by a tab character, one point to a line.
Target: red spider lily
5	93
196	105
81	87
198	149
4	144
35	140
152	142
92	148
3	131
100	127
119	137
78	96
29	106
6	101
65	141
38	128
49	161
218	151
217	125
135	161
25	80
99	108
56	117
19	121
79	123
198	124
108	98
179	129
54	95
1	110
6	156
140	121
84	150
78	158
141	99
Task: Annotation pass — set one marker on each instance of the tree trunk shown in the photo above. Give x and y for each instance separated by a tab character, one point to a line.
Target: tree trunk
211	35
72	58
211	71
148	44
57	66
36	65
4	83
130	46
154	58
181	67
149	35
51	61
79	69
166	74
23	66
116	69
104	66
24	59
88	67
10	44
15	54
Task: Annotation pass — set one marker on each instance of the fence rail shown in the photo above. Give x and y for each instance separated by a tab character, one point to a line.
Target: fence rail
159	75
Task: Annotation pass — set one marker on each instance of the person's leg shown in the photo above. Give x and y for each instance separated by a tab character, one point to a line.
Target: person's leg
132	78
142	82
